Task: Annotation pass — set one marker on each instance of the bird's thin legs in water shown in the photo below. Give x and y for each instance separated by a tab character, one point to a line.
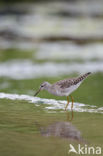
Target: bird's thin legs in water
72	114
67	103
72	102
68	115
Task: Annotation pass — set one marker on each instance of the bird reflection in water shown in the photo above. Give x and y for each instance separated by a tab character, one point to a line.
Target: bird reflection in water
70	115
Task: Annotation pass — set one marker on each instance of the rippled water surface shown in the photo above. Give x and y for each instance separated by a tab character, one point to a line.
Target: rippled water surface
52	104
49	42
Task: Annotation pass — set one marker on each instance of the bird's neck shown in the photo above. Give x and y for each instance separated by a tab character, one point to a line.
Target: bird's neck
48	87
51	89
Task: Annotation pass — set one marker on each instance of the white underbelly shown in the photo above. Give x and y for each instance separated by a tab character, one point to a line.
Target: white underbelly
68	91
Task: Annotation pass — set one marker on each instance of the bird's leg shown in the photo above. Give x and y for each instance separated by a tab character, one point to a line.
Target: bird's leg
67	103
68	116
72	102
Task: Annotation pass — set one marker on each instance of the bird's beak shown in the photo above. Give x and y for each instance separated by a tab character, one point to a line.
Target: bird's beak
37	92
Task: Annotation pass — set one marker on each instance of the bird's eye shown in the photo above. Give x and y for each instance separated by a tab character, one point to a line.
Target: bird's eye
41	85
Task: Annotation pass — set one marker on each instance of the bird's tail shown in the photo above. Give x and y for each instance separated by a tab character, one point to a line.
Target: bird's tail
81	78
84	76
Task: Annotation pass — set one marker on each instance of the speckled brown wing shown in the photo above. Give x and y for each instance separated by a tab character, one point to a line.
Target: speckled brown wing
65	83
73	81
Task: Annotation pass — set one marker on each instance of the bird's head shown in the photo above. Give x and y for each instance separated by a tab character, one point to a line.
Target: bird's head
43	86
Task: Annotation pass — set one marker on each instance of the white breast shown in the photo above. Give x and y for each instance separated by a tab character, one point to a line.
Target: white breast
68	91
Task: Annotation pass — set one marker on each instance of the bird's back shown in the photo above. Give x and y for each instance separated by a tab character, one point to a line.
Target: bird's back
67	86
71	81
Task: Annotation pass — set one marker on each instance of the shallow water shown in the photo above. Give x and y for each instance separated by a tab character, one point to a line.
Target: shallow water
53	105
26	69
84	19
69	51
49	22
28	62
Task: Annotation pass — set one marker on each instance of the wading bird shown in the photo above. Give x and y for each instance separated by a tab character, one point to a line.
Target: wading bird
63	87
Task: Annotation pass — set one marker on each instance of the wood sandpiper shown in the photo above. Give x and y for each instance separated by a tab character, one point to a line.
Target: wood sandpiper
63	87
